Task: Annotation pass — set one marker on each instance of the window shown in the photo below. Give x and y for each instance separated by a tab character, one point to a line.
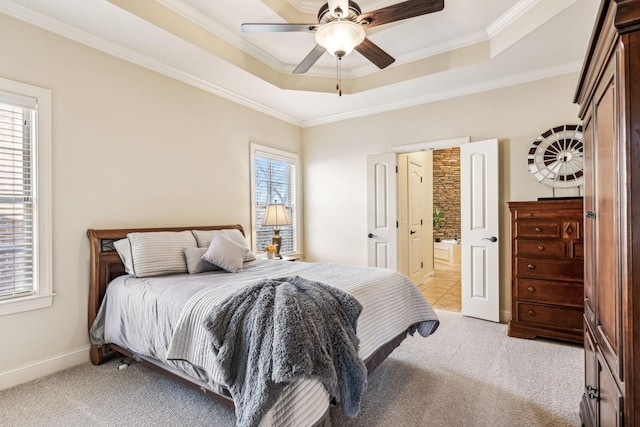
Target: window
274	175
25	202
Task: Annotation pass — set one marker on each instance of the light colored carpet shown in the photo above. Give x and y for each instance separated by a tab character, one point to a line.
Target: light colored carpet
469	373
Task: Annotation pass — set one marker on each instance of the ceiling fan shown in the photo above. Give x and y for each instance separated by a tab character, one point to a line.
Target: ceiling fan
341	28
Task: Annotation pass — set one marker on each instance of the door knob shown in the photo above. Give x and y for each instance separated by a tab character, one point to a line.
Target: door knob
371	235
492	238
412	232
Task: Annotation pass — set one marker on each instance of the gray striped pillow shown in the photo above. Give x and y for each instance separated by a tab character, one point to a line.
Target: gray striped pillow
204	240
160	252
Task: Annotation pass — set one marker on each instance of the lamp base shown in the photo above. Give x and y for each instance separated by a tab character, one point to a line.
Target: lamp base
277	240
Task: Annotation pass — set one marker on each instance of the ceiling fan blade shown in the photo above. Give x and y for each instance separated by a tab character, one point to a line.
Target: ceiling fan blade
399	11
373	53
309	60
278	28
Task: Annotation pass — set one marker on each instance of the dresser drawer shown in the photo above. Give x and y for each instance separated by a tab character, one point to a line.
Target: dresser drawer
577	250
542	248
557	269
548	315
545	213
548	291
538	229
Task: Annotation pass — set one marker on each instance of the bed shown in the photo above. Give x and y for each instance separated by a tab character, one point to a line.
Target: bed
156	319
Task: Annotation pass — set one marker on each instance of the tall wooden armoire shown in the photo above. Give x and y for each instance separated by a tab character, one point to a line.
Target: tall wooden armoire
609	97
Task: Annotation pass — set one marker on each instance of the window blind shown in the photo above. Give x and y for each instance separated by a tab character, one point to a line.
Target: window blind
17	123
275	182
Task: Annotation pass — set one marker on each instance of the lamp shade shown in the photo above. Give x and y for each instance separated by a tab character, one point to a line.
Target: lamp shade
276	215
340	37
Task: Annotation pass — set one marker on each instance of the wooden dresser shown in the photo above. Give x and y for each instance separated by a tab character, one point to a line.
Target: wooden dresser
547	269
609	96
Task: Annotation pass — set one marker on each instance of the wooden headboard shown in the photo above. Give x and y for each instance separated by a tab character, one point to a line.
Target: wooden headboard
106	265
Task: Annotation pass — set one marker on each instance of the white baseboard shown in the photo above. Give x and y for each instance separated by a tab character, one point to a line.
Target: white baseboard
44	367
505	316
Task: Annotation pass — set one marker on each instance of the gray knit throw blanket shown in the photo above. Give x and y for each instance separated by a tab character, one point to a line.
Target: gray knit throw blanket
277	330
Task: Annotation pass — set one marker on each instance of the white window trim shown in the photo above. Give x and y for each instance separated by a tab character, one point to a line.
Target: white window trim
285	155
43	276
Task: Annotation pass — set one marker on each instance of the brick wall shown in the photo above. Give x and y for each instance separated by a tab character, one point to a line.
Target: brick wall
446	191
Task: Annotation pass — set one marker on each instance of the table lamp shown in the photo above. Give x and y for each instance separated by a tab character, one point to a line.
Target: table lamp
276	215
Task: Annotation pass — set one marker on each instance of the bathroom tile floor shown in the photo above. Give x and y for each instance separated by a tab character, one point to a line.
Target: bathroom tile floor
443	291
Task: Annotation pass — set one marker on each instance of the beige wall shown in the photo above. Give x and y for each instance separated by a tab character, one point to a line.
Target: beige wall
335	160
130	148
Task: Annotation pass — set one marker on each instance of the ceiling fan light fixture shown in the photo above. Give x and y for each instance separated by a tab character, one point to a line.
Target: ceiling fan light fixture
340	37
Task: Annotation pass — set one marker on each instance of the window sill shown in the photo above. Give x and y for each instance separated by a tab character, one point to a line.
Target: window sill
19	305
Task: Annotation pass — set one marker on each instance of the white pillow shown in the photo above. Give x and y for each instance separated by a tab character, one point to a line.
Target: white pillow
203	237
160	252
225	253
195	263
123	247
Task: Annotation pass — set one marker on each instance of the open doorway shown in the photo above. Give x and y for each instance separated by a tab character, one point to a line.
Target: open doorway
430	229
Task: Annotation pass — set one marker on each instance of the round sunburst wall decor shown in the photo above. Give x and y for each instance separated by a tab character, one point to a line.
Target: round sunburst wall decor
556	157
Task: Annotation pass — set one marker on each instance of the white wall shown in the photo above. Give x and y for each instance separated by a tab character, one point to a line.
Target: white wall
130	148
335	160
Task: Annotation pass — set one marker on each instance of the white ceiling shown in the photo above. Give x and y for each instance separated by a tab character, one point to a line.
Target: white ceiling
470	46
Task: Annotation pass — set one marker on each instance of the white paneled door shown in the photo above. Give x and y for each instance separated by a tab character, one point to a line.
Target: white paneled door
382	230
416	216
479	228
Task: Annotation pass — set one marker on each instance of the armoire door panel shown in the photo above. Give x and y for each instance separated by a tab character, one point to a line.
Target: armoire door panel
590	373
609	398
606	278
589	224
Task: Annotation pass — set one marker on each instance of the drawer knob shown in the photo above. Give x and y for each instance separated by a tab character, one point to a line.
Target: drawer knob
531	313
538	229
531	289
541	248
531	266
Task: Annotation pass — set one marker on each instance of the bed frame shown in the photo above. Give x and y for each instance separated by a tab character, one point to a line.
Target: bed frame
106	266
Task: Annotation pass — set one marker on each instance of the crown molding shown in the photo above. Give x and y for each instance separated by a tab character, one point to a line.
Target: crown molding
27	15
516	12
305	6
510	16
530	76
199	18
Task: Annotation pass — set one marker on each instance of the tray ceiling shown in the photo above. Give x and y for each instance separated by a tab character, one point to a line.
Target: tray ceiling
468	47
